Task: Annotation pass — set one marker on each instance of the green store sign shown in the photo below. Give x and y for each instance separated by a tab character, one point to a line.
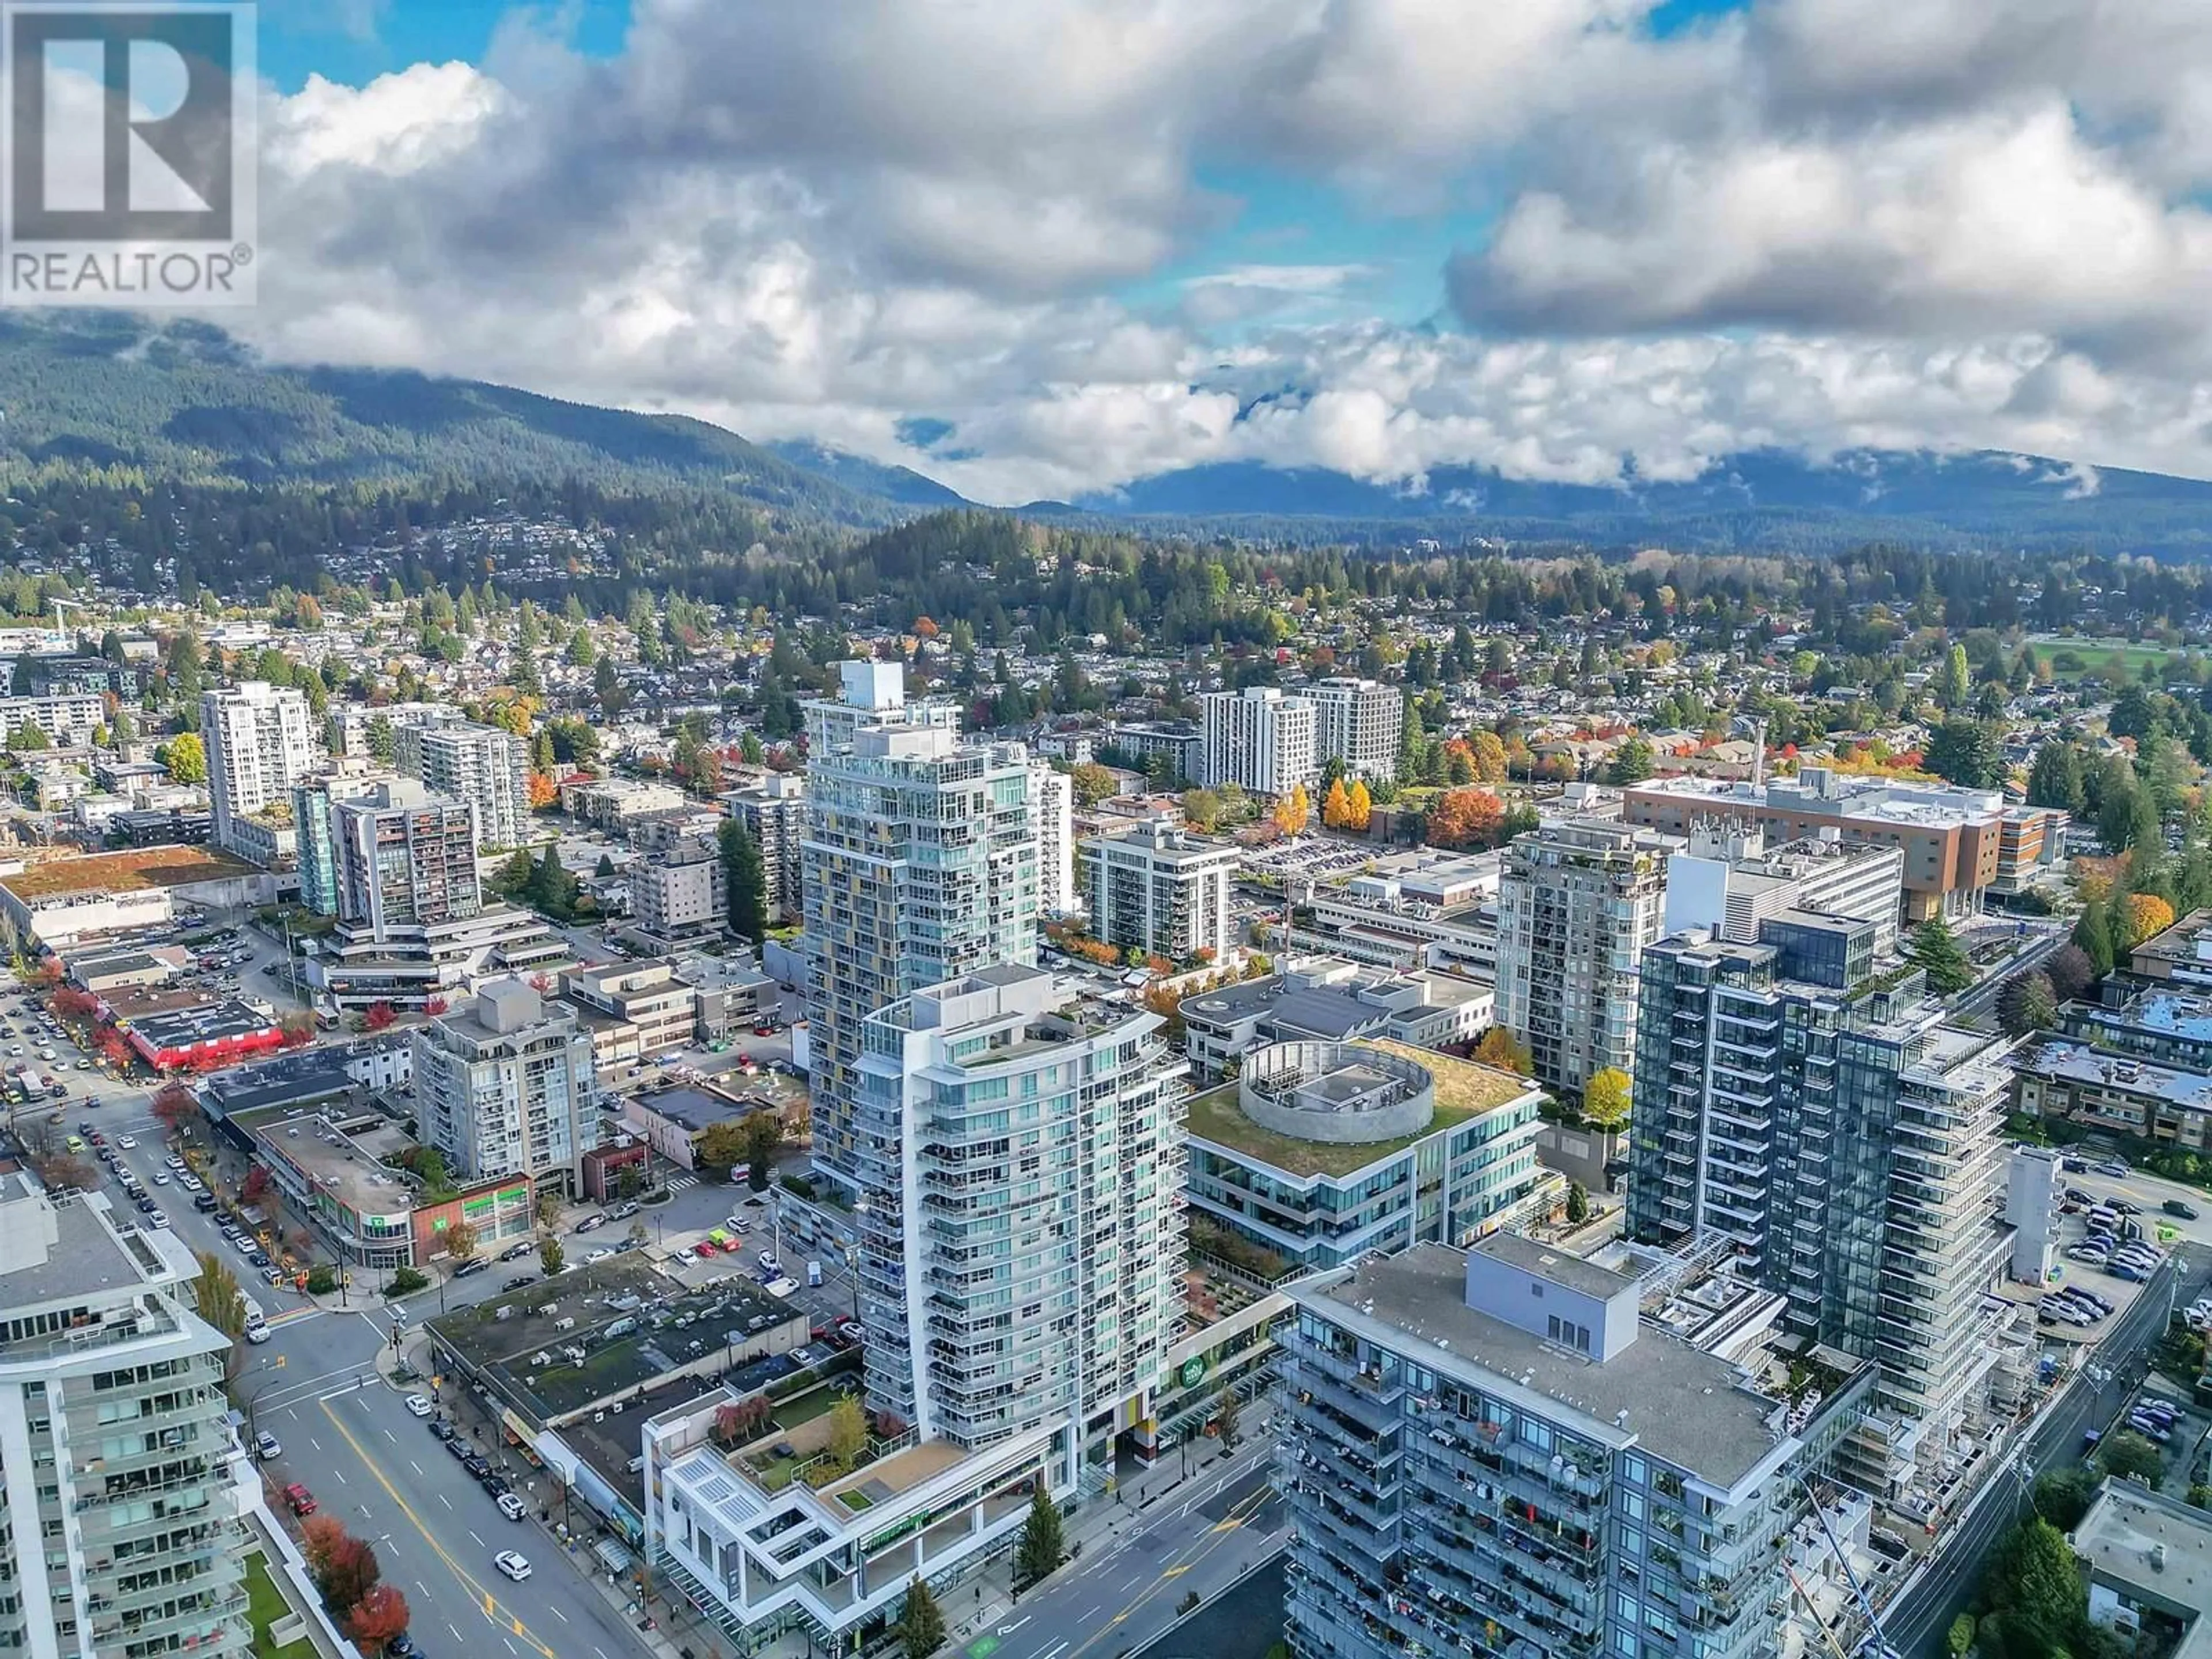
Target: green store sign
1193	1370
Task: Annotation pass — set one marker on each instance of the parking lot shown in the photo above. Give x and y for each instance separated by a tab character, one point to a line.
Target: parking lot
2100	1263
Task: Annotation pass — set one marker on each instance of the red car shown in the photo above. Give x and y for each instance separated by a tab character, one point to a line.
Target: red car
732	1246
303	1501
706	1250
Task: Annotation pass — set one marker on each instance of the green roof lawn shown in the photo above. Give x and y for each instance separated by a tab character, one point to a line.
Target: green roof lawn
265	1605
1464	1089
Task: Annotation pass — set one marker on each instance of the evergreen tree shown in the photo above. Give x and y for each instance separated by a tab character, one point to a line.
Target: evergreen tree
1042	1544
2055	780
551	888
514	876
2146	840
2027	1003
921	1622
1936	949
541	752
744	878
2093	937
1966	752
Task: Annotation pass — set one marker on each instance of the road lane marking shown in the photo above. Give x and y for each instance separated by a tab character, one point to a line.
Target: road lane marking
467	1580
558	1613
472	1533
442	1498
1195	1553
417	1467
393	1438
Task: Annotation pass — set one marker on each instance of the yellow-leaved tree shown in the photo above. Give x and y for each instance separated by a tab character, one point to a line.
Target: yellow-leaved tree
1336	806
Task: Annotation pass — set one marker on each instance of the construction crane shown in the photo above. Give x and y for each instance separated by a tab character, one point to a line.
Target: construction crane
60	626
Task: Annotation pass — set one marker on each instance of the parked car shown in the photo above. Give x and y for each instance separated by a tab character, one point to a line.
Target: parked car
420	1405
510	1505
2133	1274
266	1446
468	1267
516	1251
298	1499
442	1430
2116	1168
597	1219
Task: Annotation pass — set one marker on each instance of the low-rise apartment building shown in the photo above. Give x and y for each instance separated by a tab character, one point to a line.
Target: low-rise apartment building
2117	1093
646	996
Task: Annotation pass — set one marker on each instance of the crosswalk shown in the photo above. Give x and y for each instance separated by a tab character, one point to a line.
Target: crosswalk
682	1183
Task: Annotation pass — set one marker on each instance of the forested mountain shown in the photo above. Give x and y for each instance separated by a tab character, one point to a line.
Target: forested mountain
1762	499
98	407
113	398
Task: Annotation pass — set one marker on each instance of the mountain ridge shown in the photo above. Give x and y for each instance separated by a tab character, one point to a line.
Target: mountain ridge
129	399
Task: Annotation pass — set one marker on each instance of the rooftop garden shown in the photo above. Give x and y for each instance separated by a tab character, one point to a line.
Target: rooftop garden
134	870
1463	1089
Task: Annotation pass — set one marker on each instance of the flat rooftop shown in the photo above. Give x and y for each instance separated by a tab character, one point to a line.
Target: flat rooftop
89	1257
133	869
310	1075
673	1330
338	1163
1557	1266
694	1108
1463	1089
205	1022
2073	1063
2115	1539
1681	1404
2177	1013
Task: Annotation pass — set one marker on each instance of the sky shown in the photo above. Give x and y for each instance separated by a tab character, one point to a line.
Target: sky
1038	249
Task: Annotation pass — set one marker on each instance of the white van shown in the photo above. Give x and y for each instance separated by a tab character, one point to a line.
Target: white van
256	1326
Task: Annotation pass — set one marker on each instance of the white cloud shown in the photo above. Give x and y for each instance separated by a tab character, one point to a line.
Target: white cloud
1831	224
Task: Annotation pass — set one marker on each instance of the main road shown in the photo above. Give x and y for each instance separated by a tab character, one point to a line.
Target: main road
348	1438
1917	1623
1125	1588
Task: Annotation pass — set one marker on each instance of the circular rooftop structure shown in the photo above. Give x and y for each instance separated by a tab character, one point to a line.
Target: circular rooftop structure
1342	1093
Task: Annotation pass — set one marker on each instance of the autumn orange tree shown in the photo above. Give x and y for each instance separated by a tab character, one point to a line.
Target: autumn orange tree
1293	811
1465	818
542	791
1501	1049
379	1619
